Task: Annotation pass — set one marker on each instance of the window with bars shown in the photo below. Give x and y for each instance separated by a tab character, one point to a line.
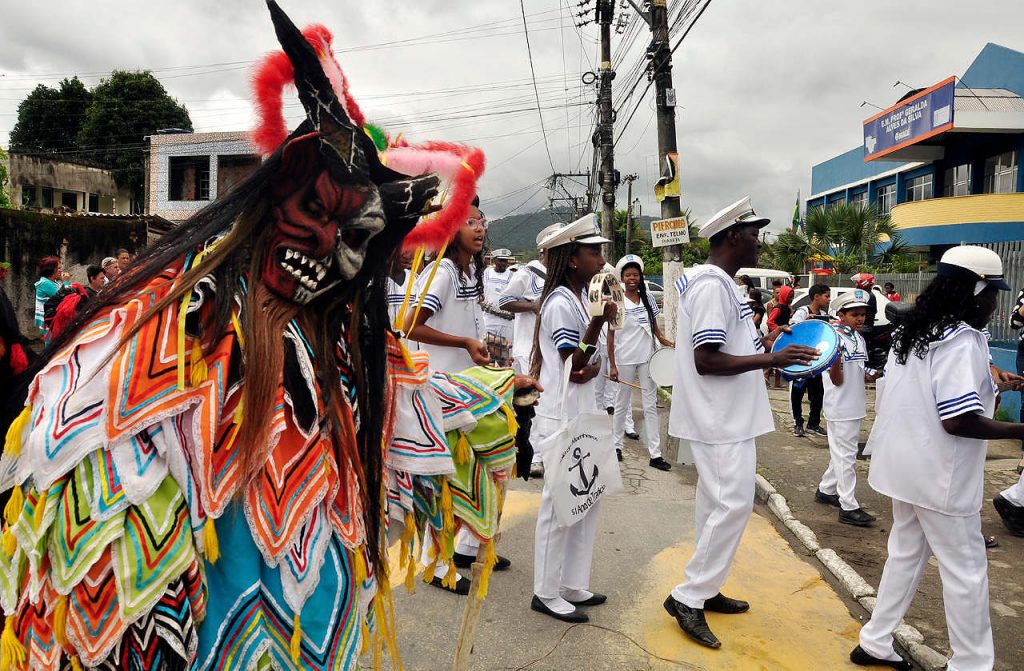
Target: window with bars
860	199
919	188
885	198
1001	173
957	181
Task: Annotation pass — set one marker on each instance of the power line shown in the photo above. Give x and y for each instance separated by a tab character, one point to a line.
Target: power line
533	74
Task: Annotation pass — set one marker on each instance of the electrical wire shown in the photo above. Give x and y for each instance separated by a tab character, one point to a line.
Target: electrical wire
533	74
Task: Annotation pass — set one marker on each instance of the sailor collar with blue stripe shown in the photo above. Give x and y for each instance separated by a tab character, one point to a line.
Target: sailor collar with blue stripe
743	310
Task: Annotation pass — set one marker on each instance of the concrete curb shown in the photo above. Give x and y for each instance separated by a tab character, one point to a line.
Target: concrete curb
855	586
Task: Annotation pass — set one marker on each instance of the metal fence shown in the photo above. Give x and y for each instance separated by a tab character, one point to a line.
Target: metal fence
1012	254
910	285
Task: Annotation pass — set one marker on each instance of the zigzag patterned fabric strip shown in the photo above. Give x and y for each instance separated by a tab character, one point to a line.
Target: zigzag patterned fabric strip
474	498
94	624
33	625
78	541
156	548
248	616
346	511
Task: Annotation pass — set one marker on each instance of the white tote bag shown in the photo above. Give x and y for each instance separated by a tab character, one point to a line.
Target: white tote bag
580	466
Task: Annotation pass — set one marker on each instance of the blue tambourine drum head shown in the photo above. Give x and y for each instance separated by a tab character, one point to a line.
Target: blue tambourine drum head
811	333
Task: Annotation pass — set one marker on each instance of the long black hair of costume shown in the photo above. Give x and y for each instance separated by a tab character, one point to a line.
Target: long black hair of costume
943	304
360	303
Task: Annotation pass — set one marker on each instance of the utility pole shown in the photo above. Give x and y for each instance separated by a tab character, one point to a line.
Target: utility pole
556	184
665	101
629	179
604	140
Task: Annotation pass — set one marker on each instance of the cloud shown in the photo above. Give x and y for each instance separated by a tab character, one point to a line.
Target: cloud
765	89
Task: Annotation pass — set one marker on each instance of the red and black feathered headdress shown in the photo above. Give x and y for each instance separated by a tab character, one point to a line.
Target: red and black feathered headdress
408	176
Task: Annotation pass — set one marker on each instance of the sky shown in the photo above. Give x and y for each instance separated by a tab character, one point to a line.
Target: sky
765	89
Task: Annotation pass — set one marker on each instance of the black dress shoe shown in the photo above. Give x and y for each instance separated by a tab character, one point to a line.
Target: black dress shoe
720	603
857	518
1012	516
610	409
594	600
618	454
632	435
818	429
660	464
827	499
466	561
575	616
862	657
692	622
461	585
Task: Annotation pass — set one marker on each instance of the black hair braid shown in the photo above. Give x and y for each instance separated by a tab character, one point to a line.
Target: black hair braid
557	276
944	303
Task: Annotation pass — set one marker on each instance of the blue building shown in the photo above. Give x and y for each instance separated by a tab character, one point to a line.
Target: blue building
943	162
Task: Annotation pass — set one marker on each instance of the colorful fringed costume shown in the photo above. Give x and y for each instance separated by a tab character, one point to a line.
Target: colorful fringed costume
209	455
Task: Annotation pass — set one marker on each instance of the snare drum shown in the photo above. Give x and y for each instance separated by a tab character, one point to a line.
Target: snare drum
662	366
812	333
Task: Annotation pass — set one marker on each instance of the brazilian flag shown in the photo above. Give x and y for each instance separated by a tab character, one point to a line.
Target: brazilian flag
797	225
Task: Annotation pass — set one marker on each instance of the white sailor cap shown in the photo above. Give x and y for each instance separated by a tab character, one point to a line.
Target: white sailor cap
627	260
858	298
738	213
502	253
584	231
545	232
973	263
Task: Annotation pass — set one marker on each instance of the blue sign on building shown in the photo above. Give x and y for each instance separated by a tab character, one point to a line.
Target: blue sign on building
920	116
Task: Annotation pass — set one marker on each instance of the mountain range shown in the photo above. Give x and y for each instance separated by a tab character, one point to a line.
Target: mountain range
519	231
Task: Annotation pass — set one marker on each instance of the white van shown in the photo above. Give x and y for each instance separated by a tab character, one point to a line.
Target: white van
762	277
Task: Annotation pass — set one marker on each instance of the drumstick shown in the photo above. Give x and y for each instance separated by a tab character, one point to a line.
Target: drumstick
628	384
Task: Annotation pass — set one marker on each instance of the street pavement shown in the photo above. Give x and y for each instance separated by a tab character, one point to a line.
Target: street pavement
797	620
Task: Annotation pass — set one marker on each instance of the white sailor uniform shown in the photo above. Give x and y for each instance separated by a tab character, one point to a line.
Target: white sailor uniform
526	284
634	344
562	555
845	407
720	416
936	483
494	284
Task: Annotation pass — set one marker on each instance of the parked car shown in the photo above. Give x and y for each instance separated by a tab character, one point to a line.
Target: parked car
762	277
657	292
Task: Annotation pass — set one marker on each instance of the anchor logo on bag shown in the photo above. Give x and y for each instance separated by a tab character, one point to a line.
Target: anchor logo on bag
586	482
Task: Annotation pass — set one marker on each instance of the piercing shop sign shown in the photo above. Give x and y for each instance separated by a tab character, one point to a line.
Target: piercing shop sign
674	231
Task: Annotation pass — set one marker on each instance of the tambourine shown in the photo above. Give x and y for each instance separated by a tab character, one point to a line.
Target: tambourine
604	287
812	333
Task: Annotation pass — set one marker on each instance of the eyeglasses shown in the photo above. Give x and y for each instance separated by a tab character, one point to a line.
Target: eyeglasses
481	222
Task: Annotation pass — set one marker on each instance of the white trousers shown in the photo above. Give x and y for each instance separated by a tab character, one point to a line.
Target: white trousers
603	387
918	533
624	406
841	475
1015	492
562	556
725	499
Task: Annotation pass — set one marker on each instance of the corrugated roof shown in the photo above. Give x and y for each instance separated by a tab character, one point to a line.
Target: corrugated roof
988	100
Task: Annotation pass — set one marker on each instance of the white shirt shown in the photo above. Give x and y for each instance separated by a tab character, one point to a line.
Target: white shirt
716	409
525	285
634	342
396	296
804	313
454	300
563	324
913	459
849	400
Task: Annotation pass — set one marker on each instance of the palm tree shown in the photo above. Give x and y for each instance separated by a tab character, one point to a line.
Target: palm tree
852	236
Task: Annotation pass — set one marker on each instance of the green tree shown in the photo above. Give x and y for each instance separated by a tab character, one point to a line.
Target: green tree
852	236
5	196
125	109
49	119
